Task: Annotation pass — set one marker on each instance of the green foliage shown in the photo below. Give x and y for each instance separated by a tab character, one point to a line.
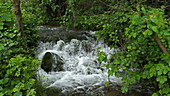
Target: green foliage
5	16
18	79
32	13
102	57
128	26
83	14
36	12
17	71
140	57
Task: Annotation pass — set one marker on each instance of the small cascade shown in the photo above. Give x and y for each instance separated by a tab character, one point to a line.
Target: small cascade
72	67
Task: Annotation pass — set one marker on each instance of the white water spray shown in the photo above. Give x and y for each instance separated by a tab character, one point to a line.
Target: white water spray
81	70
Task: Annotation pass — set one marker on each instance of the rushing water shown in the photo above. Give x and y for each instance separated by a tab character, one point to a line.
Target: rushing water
81	70
70	67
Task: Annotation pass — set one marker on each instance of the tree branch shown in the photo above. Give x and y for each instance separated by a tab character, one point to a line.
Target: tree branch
156	38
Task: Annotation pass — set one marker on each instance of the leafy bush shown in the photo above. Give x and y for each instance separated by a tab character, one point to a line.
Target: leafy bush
17	71
140	57
18	79
138	30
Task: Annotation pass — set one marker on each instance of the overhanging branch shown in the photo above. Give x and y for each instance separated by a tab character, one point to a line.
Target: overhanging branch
156	38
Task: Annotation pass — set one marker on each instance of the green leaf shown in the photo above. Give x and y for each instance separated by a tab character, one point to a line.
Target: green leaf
136	19
1	88
159	72
155	29
161	79
18	94
102	56
147	32
1	23
1	27
106	83
1	47
5	17
155	94
2	94
31	92
134	35
156	21
138	7
5	80
150	32
165	90
124	89
143	10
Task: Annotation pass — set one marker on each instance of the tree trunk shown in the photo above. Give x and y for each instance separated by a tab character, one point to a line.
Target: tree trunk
160	44
18	14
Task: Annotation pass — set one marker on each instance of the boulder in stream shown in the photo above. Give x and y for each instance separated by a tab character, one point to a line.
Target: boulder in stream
86	46
51	62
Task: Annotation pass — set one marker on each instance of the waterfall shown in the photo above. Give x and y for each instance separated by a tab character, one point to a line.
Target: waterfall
81	72
70	67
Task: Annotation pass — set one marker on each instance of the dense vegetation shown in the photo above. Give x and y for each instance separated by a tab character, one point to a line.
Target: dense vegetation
138	28
17	63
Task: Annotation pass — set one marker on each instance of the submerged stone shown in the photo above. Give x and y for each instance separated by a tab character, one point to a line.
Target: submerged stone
51	62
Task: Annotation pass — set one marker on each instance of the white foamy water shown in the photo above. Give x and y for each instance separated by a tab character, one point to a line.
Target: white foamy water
81	70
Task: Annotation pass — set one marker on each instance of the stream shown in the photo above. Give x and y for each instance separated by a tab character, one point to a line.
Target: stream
70	67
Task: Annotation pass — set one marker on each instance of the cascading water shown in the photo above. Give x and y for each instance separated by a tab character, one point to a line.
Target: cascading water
72	67
69	65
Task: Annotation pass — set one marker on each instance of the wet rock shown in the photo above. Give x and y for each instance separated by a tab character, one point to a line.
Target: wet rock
91	63
51	62
86	46
73	49
59	46
52	33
